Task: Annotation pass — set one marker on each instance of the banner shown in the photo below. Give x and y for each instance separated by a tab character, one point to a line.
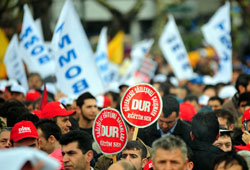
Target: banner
138	55
14	63
35	53
101	58
174	50
217	33
75	65
115	48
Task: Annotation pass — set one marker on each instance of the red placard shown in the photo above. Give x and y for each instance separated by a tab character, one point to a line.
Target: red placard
141	105
109	131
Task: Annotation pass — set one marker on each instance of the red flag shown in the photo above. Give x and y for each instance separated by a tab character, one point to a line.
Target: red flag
44	100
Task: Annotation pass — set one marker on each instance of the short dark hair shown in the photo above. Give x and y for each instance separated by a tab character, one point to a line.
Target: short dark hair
28	116
216	98
138	146
205	127
230	159
34	74
209	86
49	127
82	97
243	79
225	114
191	97
244	97
83	139
170	105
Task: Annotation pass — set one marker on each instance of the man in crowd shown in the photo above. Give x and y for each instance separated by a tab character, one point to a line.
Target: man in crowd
5	138
215	102
49	136
122	165
56	111
205	130
168	123
224	142
34	81
242	85
86	103
136	153
169	152
24	133
77	150
230	160
225	118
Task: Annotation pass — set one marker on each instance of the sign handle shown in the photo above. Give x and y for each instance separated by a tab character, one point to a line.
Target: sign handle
135	134
114	158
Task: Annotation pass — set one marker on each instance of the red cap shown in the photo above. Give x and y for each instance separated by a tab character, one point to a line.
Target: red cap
23	129
103	101
246	115
149	165
32	95
187	111
54	109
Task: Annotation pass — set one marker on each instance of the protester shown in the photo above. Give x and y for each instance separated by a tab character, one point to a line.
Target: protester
5	138
215	102
224	141
228	161
24	133
77	150
86	103
225	118
168	123
18	92
193	100
34	81
56	111
169	152
205	130
49	136
122	165
242	85
136	153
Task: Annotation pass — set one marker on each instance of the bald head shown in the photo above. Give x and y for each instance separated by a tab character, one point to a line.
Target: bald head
122	165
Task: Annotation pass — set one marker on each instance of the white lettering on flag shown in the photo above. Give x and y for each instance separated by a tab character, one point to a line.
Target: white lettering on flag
217	33
174	50
32	46
14	64
75	65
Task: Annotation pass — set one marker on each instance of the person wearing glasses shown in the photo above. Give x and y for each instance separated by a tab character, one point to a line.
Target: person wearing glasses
168	123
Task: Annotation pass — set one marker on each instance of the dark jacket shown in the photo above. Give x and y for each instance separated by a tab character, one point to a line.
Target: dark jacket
150	134
204	155
232	106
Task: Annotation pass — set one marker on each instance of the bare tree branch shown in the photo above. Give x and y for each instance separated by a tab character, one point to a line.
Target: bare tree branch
110	8
134	11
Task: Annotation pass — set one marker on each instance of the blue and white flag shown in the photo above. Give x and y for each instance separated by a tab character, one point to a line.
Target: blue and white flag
217	33
101	58
35	53
174	50
14	64
76	71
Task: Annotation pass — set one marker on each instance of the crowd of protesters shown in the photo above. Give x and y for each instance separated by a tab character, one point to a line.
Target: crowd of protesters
201	127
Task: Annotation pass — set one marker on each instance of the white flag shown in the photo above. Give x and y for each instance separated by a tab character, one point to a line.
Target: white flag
14	64
101	58
174	50
217	33
35	53
75	65
138	53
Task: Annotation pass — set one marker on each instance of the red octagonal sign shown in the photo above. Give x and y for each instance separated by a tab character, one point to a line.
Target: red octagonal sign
109	131
141	105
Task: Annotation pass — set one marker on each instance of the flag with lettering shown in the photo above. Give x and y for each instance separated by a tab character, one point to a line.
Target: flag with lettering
14	63
36	55
75	64
174	50
217	33
101	58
